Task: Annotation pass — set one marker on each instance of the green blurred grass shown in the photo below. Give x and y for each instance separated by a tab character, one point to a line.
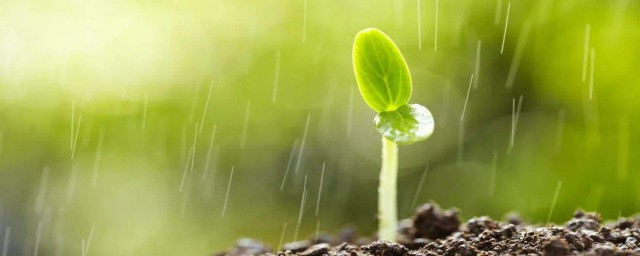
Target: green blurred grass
107	57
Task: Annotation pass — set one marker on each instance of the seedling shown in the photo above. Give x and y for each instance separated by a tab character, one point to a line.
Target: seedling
384	81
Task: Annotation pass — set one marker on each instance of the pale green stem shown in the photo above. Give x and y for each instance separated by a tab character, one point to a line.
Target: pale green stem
387	212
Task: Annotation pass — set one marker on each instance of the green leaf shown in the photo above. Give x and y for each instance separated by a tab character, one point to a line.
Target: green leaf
406	125
381	72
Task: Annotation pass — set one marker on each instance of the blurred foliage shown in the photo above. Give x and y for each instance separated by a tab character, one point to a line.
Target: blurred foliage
138	74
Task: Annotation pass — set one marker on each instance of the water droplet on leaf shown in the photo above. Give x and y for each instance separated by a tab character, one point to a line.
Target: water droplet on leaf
406	125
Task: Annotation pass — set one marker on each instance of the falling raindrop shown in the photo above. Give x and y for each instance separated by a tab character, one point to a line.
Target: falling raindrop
276	78
555	199
38	238
416	195
194	103
506	23
193	152
144	112
515	61
206	106
71	184
226	197
585	54
304	138
592	70
304	196
419	27
7	238
185	172
304	24
85	251
477	67
286	172
185	200
205	173
466	100
515	116
498	16
435	40
42	189
320	189
284	229
75	140
71	127
460	155
494	173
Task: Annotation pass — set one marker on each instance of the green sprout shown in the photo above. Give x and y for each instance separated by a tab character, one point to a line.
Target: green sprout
384	81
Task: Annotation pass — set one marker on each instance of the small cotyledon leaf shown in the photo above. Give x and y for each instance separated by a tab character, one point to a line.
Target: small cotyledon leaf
382	73
406	125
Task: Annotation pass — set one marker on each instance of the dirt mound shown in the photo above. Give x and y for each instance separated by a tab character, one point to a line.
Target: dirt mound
432	231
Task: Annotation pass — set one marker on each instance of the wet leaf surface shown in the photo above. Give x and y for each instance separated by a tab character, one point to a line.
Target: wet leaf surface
408	124
381	71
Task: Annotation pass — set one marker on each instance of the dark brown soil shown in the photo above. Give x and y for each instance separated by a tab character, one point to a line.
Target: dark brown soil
434	232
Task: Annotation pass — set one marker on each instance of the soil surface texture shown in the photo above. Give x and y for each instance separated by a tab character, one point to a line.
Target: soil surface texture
432	231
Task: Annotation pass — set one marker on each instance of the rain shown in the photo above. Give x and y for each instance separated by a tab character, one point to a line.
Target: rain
177	128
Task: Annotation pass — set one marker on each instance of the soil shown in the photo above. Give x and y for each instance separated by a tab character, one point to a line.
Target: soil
432	231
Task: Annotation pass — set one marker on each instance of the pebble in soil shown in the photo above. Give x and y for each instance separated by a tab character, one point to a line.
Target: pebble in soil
432	231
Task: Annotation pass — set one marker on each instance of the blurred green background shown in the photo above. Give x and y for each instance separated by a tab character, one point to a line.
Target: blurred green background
120	121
